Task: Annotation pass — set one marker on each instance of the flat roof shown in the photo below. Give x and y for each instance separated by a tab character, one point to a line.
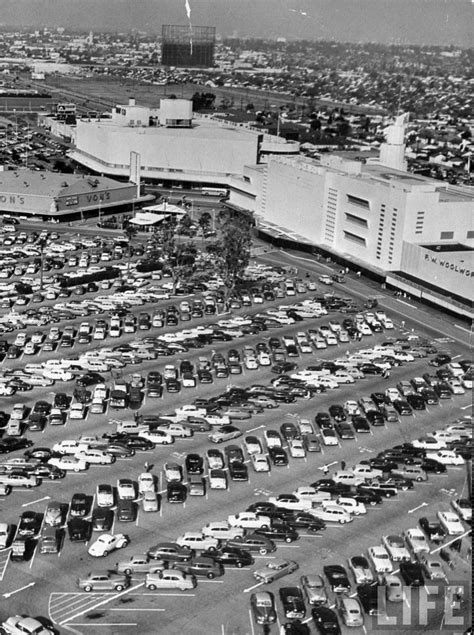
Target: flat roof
201	129
44	183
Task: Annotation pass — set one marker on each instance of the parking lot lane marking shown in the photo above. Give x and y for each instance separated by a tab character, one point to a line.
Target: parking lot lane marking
171	595
10	593
289	546
135	609
38	500
255	586
251	622
102	624
466	407
109	598
33	556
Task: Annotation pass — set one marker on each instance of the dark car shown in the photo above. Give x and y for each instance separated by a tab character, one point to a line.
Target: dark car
80	504
233	453
283	367
306	521
201	566
430	465
43	454
412	573
370	369
29	524
170	552
433	529
361	424
328	485
368	497
337	413
253	542
48	472
126	511
344	430
10	444
402	407
79	530
278	456
416	402
194	464
279	531
102	519
323	420
368	597
295	628
440	359
375	418
88	379
61	400
293	602
238	471
337	578
176	492
289	431
325	620
231	557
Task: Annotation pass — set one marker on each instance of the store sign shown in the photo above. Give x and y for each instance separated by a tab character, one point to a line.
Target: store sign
12	199
442	262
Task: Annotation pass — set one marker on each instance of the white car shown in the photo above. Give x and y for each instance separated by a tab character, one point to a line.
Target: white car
396	548
252	445
290	501
260	462
105	495
158	437
416	540
126	489
342	377
446	457
451	523
273	439
305	426
306	492
249	520
146	483
324	279
365	471
222	530
328	435
456	386
296	448
332	514
380	559
107	543
95	457
393	394
352	408
351	505
428	443
77	411
69	463
25	625
197	541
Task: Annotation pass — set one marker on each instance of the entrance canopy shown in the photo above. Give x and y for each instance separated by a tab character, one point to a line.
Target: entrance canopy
155	214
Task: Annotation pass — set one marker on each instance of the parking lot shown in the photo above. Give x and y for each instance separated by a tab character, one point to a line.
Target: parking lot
147	379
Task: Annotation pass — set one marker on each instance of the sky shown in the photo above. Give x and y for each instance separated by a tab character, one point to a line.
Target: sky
441	22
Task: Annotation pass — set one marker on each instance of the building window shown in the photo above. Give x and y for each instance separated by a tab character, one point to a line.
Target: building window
356	200
470	234
447	235
356	219
355	238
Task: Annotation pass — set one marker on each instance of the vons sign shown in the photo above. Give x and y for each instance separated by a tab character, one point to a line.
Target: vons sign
442	262
12	199
72	201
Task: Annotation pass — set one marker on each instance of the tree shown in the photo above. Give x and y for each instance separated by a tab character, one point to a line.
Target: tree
233	251
204	221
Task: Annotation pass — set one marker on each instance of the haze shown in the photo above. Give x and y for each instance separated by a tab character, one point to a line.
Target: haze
442	22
